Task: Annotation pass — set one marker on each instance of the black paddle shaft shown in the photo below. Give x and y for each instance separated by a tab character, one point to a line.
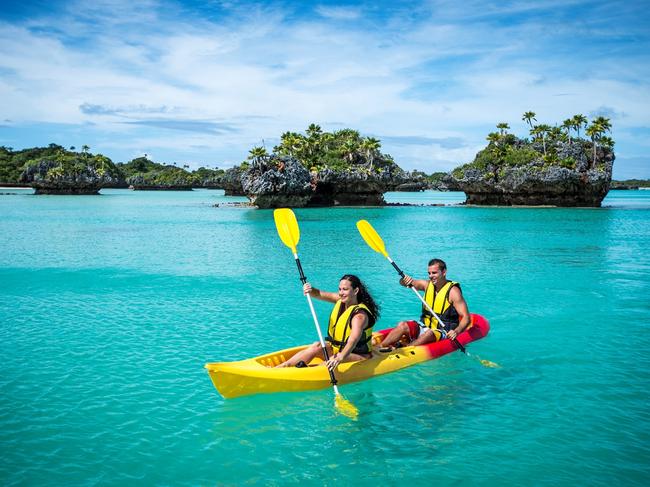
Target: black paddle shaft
325	354
302	274
460	347
399	271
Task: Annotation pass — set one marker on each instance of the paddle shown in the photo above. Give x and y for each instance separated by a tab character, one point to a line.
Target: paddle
375	242
287	225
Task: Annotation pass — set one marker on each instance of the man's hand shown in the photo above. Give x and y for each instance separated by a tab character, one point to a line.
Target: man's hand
406	281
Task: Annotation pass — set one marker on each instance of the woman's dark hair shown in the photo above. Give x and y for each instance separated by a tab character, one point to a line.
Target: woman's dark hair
363	296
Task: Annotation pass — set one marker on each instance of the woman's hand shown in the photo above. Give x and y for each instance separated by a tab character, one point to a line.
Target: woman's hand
334	361
306	288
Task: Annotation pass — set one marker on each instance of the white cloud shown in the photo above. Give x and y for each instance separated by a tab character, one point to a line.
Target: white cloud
263	74
339	12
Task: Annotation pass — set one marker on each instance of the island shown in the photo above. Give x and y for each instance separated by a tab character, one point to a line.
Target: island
554	167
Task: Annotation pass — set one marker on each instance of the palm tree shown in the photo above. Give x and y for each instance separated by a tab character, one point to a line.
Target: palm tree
556	134
528	117
350	148
326	139
313	141
593	132
498	150
542	130
568	125
84	151
596	131
370	146
607	142
493	138
290	143
604	123
578	122
314	130
503	127
347	134
256	154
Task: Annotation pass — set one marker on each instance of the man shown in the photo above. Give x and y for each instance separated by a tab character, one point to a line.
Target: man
446	300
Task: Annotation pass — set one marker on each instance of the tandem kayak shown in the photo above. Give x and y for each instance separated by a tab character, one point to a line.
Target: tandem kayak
257	375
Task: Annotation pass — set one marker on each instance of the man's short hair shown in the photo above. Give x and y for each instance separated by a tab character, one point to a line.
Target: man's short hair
441	264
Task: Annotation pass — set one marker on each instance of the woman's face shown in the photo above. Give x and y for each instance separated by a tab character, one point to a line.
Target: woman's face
347	294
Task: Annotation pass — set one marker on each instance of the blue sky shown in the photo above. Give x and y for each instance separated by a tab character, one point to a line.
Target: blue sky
201	82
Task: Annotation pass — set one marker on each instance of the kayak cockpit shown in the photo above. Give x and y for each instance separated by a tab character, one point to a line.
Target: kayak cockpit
271	360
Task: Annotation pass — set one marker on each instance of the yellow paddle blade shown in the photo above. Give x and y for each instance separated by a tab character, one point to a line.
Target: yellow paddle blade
487	363
287	225
371	237
345	407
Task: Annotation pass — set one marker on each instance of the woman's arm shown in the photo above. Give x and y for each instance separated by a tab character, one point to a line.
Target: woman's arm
358	324
318	294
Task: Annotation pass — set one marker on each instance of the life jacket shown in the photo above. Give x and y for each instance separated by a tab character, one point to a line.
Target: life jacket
340	327
439	302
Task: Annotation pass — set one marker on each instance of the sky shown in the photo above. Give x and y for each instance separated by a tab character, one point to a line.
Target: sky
202	82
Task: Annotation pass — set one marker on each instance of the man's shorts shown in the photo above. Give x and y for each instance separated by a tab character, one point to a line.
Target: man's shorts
416	328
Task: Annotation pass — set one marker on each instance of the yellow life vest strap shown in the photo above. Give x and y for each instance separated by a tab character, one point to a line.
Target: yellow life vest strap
439	302
340	325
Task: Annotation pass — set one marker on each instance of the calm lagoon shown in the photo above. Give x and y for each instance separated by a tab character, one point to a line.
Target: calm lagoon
111	304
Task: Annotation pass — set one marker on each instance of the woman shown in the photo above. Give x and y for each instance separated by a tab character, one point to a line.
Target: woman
350	325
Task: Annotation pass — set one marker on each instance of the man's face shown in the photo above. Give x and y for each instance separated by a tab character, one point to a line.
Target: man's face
435	274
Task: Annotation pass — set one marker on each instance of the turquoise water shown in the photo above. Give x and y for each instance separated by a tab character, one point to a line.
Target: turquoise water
110	305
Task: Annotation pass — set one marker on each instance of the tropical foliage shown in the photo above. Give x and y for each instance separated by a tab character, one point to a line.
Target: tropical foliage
633	183
12	163
166	177
141	171
68	164
339	150
65	164
505	149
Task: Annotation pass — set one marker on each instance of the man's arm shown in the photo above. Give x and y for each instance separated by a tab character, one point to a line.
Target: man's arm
458	302
419	284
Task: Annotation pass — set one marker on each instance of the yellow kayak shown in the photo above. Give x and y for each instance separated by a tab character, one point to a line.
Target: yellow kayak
258	375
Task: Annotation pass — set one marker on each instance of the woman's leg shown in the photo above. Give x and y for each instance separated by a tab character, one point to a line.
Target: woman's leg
306	355
355	357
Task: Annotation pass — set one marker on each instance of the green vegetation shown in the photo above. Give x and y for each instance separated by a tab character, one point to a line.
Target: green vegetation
543	149
167	177
66	164
631	183
206	174
70	164
13	162
142	171
340	150
436	179
139	165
